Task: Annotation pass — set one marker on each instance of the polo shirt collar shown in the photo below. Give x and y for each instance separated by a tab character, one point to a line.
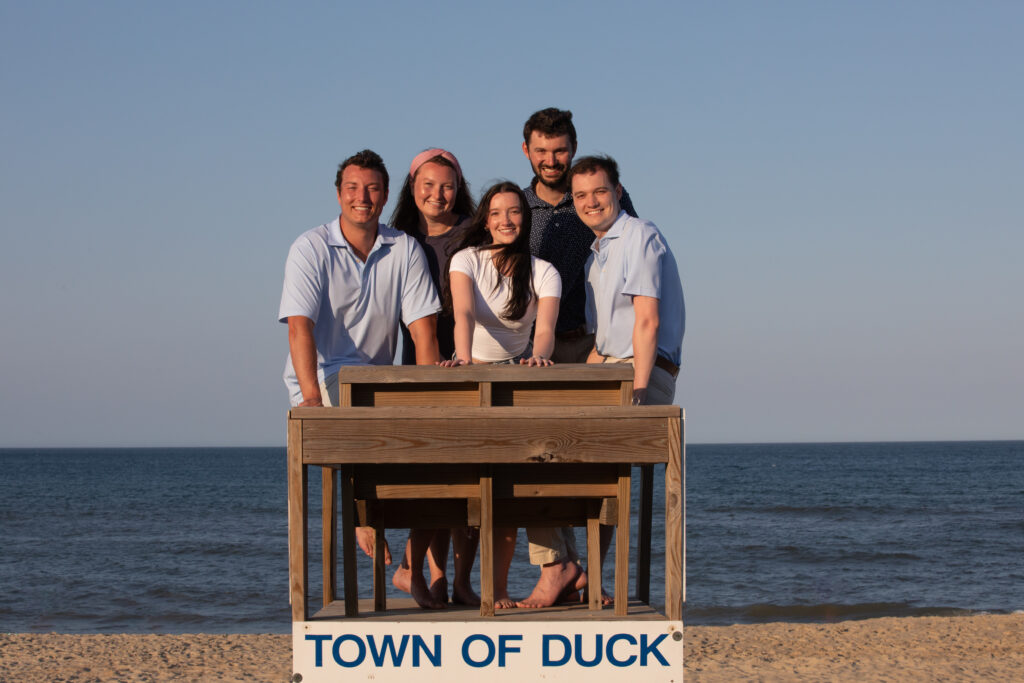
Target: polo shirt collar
385	235
536	202
615	231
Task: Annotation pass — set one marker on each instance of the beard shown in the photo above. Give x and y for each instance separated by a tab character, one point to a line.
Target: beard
558	183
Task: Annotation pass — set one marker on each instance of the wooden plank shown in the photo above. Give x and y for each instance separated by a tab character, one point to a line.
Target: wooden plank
594	562
682	493
622	545
348	543
526	413
298	577
626	392
564	490
345	395
328	522
379	572
556	394
485	394
405	609
643	541
567	372
542	440
435	394
674	523
413	513
392	491
486	547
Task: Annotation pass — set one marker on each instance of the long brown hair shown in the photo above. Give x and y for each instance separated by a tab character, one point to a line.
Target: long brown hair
513	258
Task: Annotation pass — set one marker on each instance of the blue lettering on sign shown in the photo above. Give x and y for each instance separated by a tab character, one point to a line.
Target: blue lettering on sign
609	652
597	650
387	645
318	660
652	648
504	648
490	650
337	651
419	646
546	652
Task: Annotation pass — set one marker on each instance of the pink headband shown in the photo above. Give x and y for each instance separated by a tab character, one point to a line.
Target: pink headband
426	155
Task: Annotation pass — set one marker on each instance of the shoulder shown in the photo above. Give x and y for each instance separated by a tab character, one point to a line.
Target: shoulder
312	243
541	267
466	259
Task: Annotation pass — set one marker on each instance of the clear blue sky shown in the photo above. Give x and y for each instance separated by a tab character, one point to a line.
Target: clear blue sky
841	183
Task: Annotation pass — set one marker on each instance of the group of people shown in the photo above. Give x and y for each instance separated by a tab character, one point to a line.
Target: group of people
560	271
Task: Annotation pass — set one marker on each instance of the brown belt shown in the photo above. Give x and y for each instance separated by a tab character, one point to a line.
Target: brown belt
666	365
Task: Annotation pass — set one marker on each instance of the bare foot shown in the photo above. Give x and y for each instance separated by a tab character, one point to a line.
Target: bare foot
503	602
406	580
555	578
439	590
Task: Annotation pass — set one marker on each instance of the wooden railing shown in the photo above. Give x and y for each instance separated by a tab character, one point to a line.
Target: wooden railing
485	446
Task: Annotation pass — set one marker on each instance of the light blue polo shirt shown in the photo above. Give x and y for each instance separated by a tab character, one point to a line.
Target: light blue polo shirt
633	259
355	306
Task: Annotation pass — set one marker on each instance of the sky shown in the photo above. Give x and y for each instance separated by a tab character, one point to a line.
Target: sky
841	185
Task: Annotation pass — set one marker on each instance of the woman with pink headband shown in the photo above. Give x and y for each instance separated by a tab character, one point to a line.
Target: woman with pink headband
435	207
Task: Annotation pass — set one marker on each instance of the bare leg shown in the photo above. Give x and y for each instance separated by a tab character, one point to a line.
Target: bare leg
437	560
504	549
465	541
409	577
558	580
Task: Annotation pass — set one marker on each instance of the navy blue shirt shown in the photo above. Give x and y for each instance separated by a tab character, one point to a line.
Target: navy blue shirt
558	236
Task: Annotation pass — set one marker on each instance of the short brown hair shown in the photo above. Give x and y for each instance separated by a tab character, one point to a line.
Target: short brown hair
365	159
593	164
551	123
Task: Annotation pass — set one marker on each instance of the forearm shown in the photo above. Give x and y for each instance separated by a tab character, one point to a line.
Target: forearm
424	336
645	348
464	323
303	351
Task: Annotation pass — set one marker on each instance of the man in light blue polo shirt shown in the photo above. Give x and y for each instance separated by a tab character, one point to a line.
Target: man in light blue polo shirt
634	296
346	285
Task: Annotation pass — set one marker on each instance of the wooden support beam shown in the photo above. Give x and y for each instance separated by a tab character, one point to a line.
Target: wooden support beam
486	547
622	544
298	541
643	541
674	523
594	562
348	543
329	522
380	599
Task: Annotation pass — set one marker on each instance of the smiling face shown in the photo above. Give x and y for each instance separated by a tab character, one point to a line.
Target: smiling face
596	201
550	158
434	189
361	196
504	218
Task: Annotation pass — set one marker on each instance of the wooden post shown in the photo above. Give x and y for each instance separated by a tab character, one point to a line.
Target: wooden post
622	544
380	596
594	562
298	577
643	541
674	522
329	520
486	546
348	543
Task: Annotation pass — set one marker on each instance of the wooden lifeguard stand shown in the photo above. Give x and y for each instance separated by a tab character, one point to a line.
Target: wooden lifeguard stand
485	446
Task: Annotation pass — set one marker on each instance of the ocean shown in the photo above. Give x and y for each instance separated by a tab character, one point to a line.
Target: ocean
186	540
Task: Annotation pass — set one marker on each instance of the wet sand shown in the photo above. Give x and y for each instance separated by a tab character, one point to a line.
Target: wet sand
890	649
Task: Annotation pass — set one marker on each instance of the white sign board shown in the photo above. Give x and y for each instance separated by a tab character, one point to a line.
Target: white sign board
491	651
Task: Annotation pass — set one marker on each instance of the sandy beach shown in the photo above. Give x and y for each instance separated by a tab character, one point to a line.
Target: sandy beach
890	649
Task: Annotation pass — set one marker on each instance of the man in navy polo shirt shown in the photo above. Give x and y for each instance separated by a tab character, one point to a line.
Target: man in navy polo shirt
558	236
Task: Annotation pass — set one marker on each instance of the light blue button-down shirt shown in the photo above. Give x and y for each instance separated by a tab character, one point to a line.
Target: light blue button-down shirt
355	306
633	259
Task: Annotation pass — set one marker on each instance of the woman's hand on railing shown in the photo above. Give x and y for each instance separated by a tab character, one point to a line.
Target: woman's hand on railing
454	362
538	361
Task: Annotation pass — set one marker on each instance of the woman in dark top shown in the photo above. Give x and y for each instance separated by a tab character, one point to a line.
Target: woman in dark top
435	207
